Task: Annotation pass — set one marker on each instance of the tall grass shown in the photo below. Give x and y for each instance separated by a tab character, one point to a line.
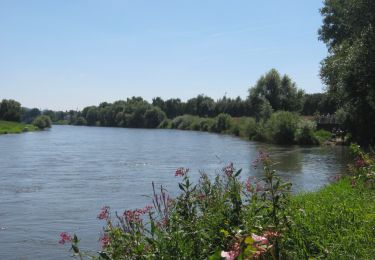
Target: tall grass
336	222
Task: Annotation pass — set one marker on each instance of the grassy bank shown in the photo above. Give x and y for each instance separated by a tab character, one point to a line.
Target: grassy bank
229	218
8	127
336	222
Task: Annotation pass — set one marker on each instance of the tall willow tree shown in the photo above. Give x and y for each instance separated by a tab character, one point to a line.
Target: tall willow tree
348	30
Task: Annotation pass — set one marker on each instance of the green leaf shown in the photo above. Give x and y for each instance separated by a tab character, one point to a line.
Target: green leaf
181	187
238	173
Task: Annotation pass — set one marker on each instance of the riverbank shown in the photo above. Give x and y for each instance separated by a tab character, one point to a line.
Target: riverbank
8	127
257	218
280	128
335	222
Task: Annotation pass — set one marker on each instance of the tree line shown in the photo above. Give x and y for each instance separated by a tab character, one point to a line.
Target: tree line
272	92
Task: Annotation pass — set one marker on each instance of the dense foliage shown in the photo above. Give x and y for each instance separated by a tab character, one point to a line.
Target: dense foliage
227	218
279	91
42	122
10	110
349	70
280	127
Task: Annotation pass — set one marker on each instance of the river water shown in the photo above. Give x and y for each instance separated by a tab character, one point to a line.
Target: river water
57	180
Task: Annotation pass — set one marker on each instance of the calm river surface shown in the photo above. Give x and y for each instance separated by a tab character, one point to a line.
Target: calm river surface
57	180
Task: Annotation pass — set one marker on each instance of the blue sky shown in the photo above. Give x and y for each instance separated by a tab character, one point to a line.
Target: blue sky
68	54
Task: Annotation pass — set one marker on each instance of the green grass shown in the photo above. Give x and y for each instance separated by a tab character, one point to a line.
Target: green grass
8	127
336	222
322	135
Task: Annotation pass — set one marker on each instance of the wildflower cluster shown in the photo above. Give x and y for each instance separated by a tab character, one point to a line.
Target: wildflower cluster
104	213
65	237
363	168
134	216
223	216
229	169
181	172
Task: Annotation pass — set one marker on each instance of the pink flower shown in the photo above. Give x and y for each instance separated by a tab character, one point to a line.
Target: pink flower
271	234
229	169
65	237
259	239
181	172
228	255
104	241
249	187
104	213
134	216
232	254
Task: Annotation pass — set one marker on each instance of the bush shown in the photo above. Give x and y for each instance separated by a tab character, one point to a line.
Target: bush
223	123
42	122
206	124
282	127
261	134
251	128
305	133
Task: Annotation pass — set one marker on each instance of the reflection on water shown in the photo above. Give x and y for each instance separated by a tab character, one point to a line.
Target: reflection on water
57	180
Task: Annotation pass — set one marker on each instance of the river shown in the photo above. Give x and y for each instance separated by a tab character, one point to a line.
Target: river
57	180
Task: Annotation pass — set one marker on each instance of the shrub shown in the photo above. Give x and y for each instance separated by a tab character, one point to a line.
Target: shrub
206	124
235	130
261	133
223	123
42	122
305	133
251	127
183	122
282	127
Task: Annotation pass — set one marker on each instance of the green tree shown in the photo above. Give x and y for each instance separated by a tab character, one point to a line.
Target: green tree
28	115
153	117
282	127
50	113
223	123
10	110
349	69
92	116
280	91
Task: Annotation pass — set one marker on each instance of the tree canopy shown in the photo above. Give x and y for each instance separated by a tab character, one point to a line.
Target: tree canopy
349	69
10	110
280	91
